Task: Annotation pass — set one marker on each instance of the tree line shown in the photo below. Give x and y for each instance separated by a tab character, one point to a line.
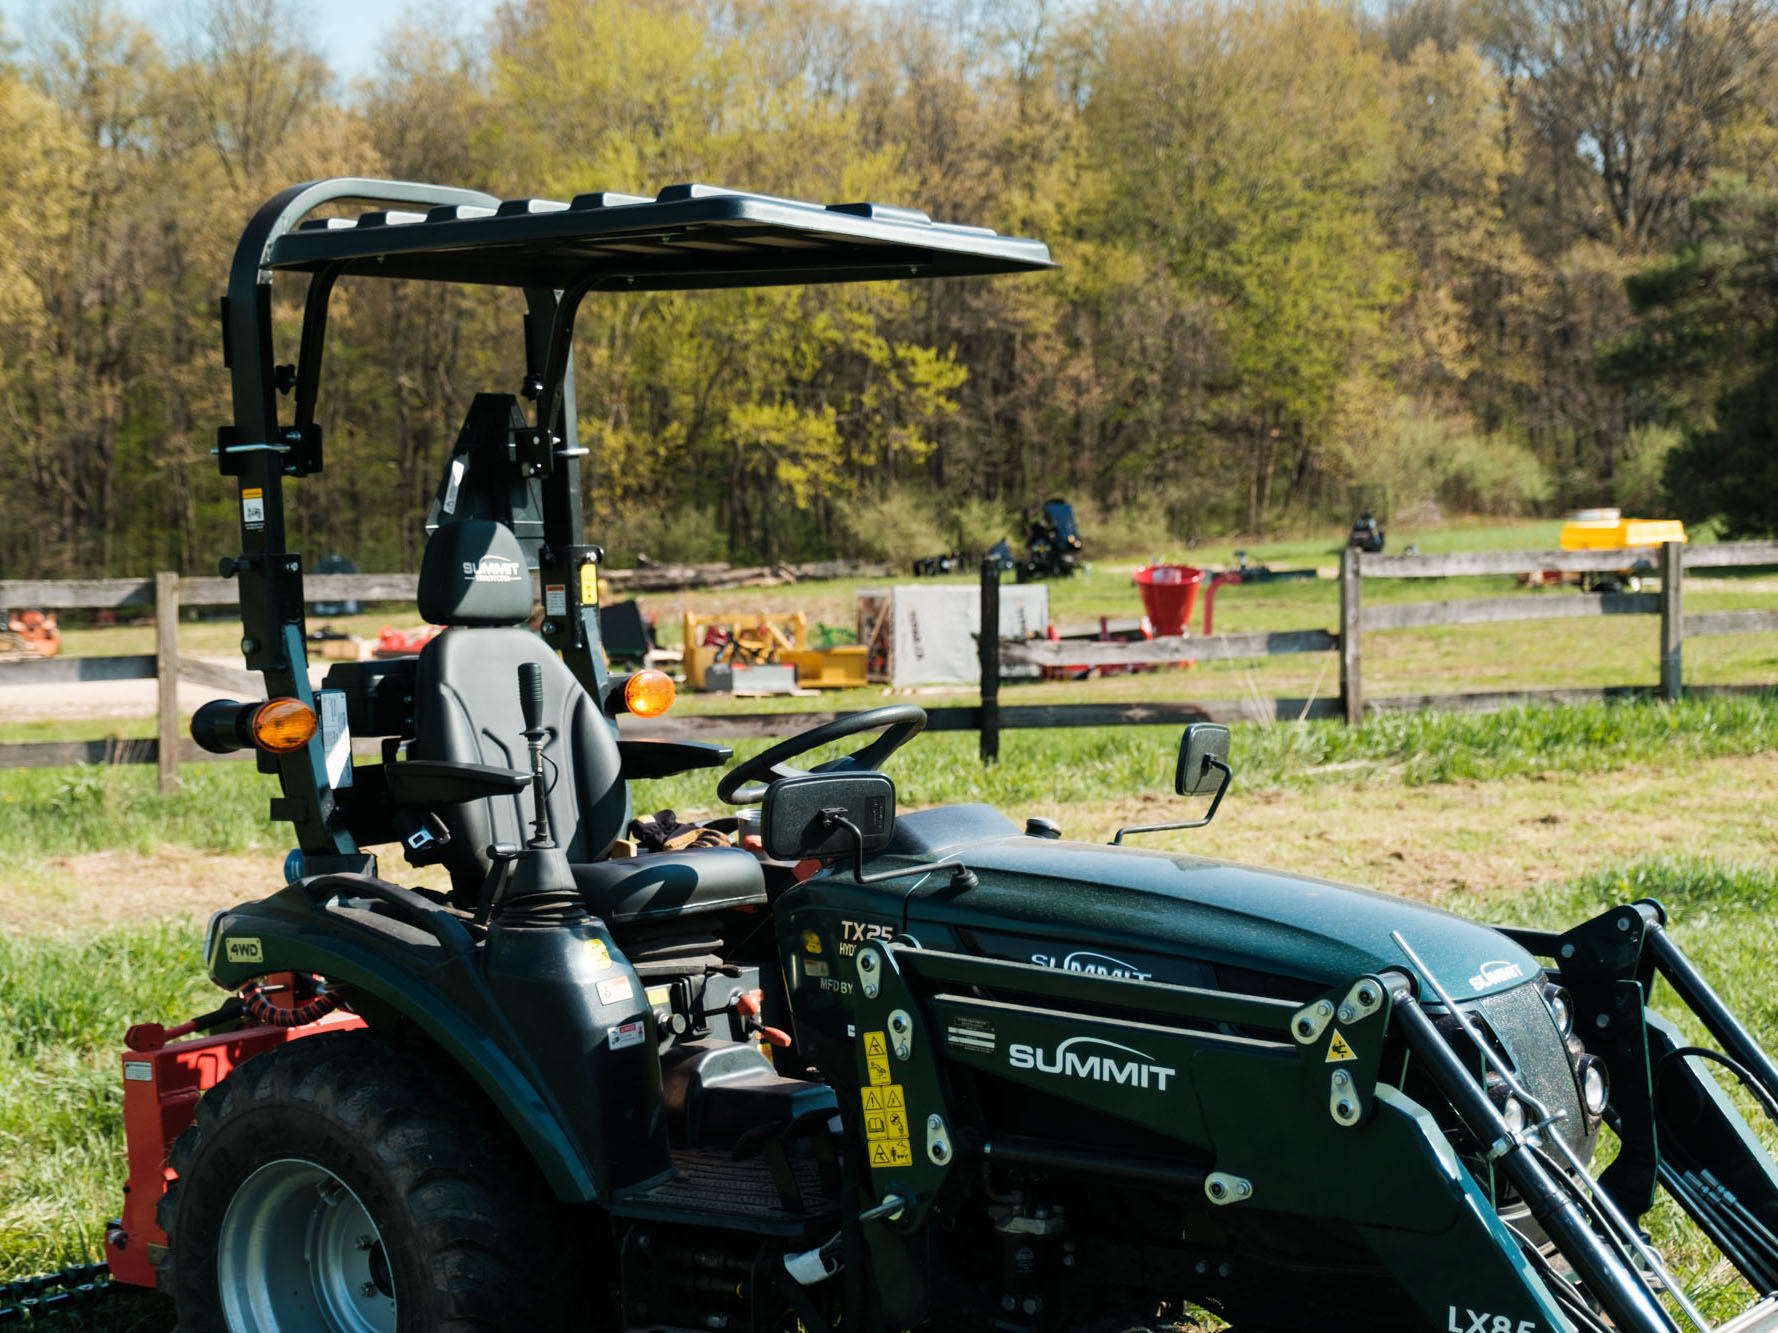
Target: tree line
1487	255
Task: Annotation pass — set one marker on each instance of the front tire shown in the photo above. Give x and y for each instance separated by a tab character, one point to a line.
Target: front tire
340	1184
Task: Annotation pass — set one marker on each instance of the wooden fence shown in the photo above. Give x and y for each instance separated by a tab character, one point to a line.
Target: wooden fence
1668	563
167	593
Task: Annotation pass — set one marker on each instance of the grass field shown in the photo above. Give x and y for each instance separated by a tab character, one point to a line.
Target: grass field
1537	815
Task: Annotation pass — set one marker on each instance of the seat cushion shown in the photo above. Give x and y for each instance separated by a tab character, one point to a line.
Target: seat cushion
662	884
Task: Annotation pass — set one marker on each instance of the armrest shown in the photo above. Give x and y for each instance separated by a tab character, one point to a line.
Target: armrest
441	782
662	759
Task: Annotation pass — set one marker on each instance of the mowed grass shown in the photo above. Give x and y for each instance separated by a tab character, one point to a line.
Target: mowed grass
65	998
1092	764
65	1002
222	806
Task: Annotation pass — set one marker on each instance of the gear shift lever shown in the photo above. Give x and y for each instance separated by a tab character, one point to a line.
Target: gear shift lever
542	891
531	704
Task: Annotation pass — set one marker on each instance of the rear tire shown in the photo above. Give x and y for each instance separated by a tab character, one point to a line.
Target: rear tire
340	1184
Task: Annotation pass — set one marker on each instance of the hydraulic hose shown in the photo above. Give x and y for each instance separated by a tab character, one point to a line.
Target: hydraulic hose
263	1009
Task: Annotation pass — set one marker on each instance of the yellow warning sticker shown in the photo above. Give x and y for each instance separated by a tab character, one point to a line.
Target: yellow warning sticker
811	942
876	1057
886	1125
589	584
891	1154
1338	1050
599	955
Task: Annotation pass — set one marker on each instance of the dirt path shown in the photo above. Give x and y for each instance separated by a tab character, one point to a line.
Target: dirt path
1425	842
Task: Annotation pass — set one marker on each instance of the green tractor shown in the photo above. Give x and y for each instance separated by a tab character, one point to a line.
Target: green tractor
862	1069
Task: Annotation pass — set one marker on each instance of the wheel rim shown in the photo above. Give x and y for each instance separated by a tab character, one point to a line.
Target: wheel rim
298	1251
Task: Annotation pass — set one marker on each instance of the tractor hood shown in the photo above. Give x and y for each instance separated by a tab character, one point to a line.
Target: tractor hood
1188	920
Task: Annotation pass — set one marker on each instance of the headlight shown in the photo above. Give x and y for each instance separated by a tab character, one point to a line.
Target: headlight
1561	1008
1514	1115
1595	1087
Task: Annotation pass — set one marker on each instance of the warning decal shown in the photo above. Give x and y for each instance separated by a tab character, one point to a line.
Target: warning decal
876	1057
252	507
886	1124
1338	1050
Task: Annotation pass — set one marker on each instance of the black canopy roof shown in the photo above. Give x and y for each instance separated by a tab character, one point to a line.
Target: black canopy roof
687	236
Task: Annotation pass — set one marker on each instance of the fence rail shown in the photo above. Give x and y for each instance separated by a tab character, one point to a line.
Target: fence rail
166	593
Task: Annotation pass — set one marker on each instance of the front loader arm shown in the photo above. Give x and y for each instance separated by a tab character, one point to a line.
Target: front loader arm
1678	1127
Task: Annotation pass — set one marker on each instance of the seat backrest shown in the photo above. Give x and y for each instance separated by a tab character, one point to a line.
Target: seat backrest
473	581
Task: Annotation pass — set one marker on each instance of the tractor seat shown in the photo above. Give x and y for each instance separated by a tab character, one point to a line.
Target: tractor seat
466	710
660	884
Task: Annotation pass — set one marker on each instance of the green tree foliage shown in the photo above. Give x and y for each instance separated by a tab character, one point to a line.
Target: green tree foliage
1706	356
1307	251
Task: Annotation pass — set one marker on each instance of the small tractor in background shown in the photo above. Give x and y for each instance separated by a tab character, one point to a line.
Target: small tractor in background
1052	548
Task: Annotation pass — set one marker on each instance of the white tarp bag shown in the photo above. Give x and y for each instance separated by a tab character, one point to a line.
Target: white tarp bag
933	639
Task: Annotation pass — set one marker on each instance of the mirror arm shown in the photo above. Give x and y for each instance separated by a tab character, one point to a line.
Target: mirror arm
1215	801
962	877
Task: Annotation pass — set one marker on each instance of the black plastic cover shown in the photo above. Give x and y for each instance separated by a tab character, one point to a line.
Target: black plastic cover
473	573
643	759
795	822
442	782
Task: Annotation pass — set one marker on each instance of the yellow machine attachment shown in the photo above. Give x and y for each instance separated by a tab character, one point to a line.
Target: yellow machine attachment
756	640
1611	532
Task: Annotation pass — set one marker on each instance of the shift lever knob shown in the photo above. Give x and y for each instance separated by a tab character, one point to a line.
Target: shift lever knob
531	694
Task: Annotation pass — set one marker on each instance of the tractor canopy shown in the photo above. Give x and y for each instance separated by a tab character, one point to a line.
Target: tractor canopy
517	458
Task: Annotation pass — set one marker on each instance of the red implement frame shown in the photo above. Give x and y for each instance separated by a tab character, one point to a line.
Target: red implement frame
160	1095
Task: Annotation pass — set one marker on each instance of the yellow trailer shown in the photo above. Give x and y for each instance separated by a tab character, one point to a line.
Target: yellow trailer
1609	530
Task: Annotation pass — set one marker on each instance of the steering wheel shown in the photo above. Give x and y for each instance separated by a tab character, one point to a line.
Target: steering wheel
746	782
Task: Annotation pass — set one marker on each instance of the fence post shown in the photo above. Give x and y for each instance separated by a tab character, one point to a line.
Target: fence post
1351	609
166	676
988	650
1672	620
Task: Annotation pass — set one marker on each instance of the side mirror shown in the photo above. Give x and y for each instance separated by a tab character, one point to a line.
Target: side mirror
830	815
1203	743
802	816
1203	767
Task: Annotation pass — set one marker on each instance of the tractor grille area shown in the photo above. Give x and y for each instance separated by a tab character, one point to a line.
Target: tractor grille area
1520	1020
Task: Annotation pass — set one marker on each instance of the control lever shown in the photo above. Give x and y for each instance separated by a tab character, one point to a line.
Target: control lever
531	705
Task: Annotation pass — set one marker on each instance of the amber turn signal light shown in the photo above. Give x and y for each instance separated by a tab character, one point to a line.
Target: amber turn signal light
277	726
282	725
649	693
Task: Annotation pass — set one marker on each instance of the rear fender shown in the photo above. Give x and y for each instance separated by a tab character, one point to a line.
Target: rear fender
425	970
